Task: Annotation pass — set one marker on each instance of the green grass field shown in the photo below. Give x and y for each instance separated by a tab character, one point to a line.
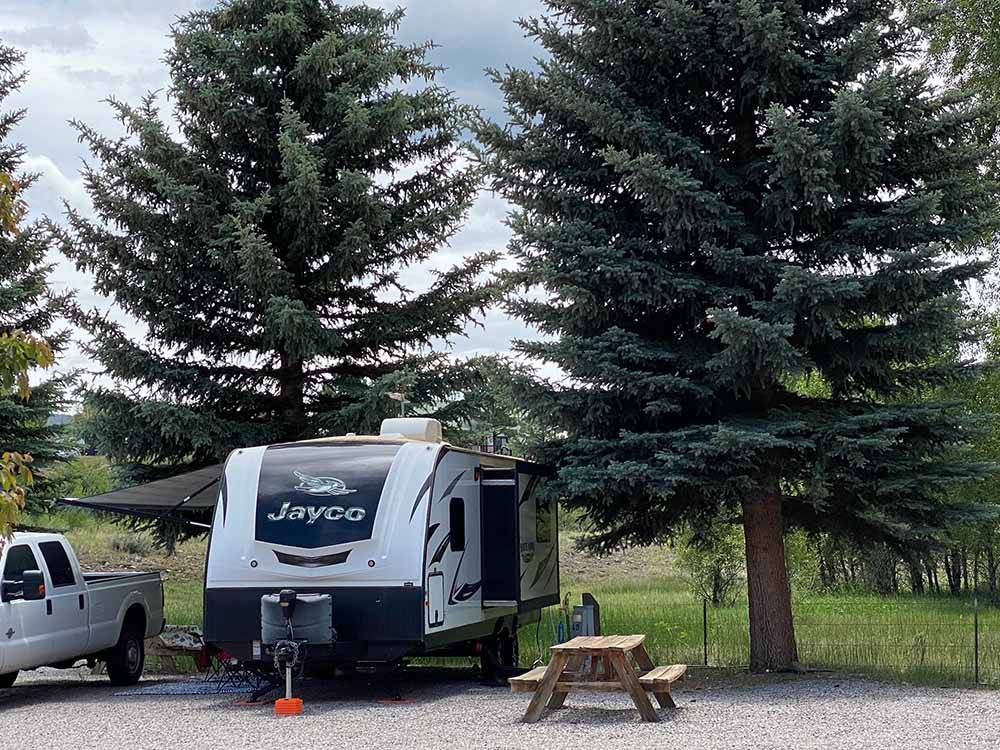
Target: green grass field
920	639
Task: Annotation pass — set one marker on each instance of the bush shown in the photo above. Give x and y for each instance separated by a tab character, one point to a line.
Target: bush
713	563
802	561
132	544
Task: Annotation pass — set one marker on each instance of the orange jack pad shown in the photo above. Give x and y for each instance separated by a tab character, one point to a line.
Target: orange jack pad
288	707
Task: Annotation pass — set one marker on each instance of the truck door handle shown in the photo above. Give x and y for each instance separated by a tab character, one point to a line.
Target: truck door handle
48	606
81	601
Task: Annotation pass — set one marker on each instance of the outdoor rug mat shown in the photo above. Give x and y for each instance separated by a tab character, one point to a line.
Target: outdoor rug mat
196	686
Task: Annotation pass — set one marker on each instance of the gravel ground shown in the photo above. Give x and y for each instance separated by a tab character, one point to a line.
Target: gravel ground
57	710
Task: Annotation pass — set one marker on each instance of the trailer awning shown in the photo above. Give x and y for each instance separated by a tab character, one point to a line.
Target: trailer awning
196	490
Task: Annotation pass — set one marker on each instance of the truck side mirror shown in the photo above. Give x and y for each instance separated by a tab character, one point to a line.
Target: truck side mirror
31	587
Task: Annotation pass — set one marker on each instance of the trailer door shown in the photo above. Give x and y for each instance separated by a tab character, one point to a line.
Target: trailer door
499	534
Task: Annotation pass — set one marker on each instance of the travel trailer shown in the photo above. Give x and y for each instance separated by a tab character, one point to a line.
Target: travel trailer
422	546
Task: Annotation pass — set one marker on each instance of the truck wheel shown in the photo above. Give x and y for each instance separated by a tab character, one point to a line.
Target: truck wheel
7	680
127	658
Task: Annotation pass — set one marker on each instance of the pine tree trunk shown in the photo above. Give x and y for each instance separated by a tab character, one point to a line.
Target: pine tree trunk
991	571
965	570
916	575
293	412
826	575
772	634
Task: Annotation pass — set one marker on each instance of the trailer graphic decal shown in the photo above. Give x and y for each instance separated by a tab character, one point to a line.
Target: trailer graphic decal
467	590
451	485
442	548
420	494
541	567
321	486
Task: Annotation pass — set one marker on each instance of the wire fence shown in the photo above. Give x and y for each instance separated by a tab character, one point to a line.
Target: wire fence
944	642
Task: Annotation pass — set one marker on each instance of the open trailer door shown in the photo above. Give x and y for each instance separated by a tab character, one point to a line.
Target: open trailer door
499	534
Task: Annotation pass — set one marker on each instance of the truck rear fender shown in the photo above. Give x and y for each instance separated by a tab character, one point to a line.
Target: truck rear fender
134	606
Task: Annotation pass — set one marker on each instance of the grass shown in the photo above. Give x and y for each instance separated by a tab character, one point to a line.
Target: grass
928	640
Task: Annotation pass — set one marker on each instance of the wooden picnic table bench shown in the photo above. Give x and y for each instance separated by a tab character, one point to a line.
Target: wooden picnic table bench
601	664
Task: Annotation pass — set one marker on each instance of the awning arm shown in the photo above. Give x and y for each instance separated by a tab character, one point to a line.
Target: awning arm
189	498
136	513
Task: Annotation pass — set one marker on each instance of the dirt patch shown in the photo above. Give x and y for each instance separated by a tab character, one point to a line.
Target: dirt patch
96	554
623	565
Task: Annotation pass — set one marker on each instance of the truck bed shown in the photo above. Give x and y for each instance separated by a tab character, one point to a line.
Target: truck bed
96	579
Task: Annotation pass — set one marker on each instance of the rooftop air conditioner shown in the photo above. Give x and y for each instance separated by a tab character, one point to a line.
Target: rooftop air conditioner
428	430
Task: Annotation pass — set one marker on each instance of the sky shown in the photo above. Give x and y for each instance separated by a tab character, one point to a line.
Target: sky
79	52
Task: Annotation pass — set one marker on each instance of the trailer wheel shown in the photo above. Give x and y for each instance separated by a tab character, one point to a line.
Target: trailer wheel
7	680
127	658
507	649
499	657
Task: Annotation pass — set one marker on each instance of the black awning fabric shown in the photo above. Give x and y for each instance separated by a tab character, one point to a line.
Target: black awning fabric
161	496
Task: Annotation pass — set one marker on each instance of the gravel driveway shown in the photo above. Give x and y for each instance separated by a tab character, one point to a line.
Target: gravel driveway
57	710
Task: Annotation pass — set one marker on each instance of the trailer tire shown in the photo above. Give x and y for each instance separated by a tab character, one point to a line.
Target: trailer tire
128	657
507	649
7	680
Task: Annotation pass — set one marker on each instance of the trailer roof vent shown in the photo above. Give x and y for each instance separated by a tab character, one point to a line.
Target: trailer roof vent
412	428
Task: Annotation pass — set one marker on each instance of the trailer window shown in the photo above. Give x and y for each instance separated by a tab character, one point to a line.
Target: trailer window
321	495
456	513
60	569
19	559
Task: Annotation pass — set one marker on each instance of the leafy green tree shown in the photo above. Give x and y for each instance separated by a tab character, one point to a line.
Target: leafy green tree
263	244
19	353
28	311
712	562
716	200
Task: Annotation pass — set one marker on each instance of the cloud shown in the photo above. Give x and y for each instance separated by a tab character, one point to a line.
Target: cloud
46	196
69	38
104	81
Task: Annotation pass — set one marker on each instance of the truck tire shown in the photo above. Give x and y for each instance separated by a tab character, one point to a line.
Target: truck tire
7	680
127	659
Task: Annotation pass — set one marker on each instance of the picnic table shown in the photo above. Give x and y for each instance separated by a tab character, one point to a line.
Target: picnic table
599	663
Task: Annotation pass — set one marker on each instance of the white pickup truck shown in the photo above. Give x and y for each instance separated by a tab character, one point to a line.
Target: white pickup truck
53	615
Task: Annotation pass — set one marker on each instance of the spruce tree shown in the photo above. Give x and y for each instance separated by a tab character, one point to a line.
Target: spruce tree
261	238
722	201
27	303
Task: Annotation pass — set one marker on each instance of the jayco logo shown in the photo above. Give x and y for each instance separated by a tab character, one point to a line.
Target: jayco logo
318	486
311	513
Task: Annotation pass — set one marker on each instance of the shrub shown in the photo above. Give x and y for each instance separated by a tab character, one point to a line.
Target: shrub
712	561
132	544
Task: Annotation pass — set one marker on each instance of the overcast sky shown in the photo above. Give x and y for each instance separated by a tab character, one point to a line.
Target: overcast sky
82	51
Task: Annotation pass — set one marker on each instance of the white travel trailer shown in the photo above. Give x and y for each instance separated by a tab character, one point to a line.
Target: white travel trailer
423	547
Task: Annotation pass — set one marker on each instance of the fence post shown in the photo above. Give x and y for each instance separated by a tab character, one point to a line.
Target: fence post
975	632
704	627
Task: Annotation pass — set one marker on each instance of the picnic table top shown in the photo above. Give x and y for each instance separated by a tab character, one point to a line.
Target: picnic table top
599	643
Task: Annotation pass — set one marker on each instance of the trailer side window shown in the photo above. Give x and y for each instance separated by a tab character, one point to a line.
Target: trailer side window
456	512
58	561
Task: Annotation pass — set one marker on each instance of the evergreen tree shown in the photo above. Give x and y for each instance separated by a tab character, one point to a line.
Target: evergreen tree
27	303
720	198
262	245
